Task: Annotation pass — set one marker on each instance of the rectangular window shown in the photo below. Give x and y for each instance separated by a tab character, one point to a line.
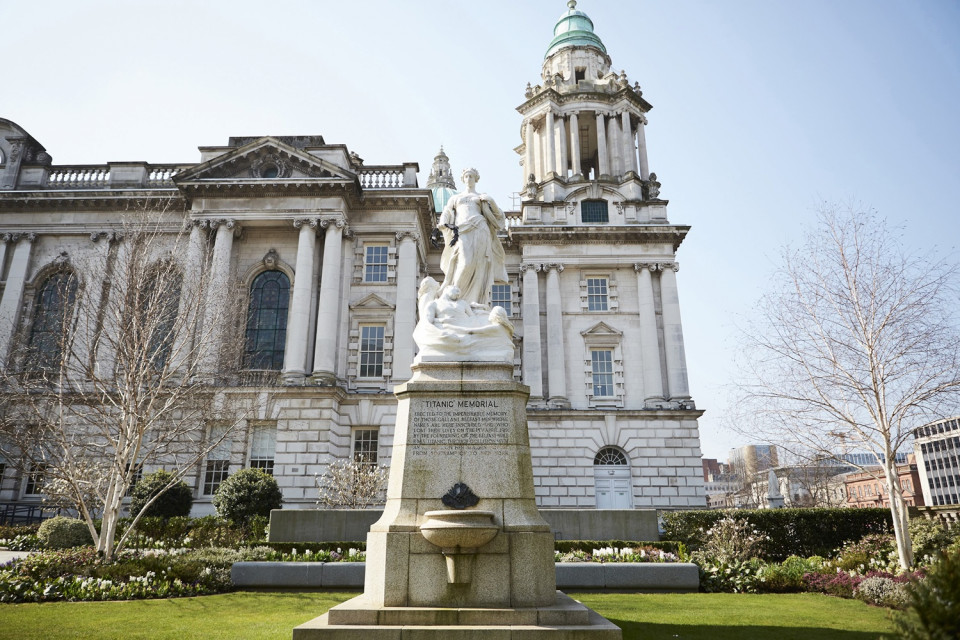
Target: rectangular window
215	473
594	211
34	482
375	262
218	461
597	294
263	447
601	361
134	478
371	351
500	296
366	444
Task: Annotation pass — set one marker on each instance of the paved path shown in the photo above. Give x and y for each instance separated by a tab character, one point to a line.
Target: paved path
7	556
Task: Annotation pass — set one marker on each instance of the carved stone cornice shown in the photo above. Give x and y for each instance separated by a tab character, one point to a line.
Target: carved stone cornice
643	234
17	237
311	222
411	235
109	236
92	200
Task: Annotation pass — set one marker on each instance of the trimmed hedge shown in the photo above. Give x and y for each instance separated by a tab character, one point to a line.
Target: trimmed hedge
790	532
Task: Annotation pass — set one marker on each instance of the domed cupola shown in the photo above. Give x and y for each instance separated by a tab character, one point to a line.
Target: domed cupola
441	181
574	29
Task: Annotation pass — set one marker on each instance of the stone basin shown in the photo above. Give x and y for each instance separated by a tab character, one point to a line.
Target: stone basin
459	529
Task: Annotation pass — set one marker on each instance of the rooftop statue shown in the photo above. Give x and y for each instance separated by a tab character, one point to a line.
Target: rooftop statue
456	321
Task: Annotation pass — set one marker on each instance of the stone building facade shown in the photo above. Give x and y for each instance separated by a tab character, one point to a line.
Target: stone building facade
342	245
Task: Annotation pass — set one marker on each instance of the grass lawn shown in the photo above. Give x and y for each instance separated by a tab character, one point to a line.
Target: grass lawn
245	615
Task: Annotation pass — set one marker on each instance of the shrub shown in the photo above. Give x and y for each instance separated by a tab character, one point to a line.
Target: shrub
247	493
884	592
800	532
62	533
933	603
929	537
787	576
874	552
175	501
732	539
728	576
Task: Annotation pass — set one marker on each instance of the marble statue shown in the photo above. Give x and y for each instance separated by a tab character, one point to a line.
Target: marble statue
473	257
456	321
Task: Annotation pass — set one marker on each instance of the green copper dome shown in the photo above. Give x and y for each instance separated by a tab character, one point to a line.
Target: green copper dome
574	29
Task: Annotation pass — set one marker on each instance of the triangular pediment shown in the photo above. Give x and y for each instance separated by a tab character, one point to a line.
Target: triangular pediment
601	329
265	160
370	302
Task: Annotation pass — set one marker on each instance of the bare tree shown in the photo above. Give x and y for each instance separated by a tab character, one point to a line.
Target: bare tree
353	484
854	347
117	378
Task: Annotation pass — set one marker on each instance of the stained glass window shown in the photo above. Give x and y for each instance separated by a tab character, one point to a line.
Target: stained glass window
267	320
52	311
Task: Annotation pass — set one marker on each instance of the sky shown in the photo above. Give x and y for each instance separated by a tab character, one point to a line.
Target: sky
764	110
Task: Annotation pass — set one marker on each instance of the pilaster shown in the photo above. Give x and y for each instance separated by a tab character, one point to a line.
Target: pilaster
532	350
649	341
677	385
12	299
405	314
556	359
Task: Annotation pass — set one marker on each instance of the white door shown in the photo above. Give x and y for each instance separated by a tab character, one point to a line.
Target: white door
612	487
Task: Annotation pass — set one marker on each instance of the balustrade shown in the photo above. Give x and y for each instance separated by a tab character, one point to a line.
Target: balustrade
78	177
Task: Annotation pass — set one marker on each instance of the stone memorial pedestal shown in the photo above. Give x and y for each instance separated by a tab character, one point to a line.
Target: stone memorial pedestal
461	550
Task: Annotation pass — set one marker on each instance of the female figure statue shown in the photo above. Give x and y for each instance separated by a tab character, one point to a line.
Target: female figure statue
473	258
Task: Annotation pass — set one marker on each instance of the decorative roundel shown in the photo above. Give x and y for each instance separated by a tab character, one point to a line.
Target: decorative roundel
610	455
269	167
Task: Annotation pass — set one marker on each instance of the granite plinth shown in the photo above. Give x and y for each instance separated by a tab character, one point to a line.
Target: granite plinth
566	619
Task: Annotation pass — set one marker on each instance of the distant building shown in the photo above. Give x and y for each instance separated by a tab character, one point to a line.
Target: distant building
721	485
865	490
937	449
749	460
870	459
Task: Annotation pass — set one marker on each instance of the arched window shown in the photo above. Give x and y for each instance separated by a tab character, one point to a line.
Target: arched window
159	306
610	455
267	321
52	312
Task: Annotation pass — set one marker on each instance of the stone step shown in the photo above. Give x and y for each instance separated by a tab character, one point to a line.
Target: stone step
357	611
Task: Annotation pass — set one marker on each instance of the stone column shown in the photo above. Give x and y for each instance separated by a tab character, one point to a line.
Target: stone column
649	341
218	295
551	134
191	290
328	312
532	351
677	385
575	144
556	361
642	149
562	142
295	350
615	145
3	253
528	161
92	299
405	314
603	160
629	153
13	291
